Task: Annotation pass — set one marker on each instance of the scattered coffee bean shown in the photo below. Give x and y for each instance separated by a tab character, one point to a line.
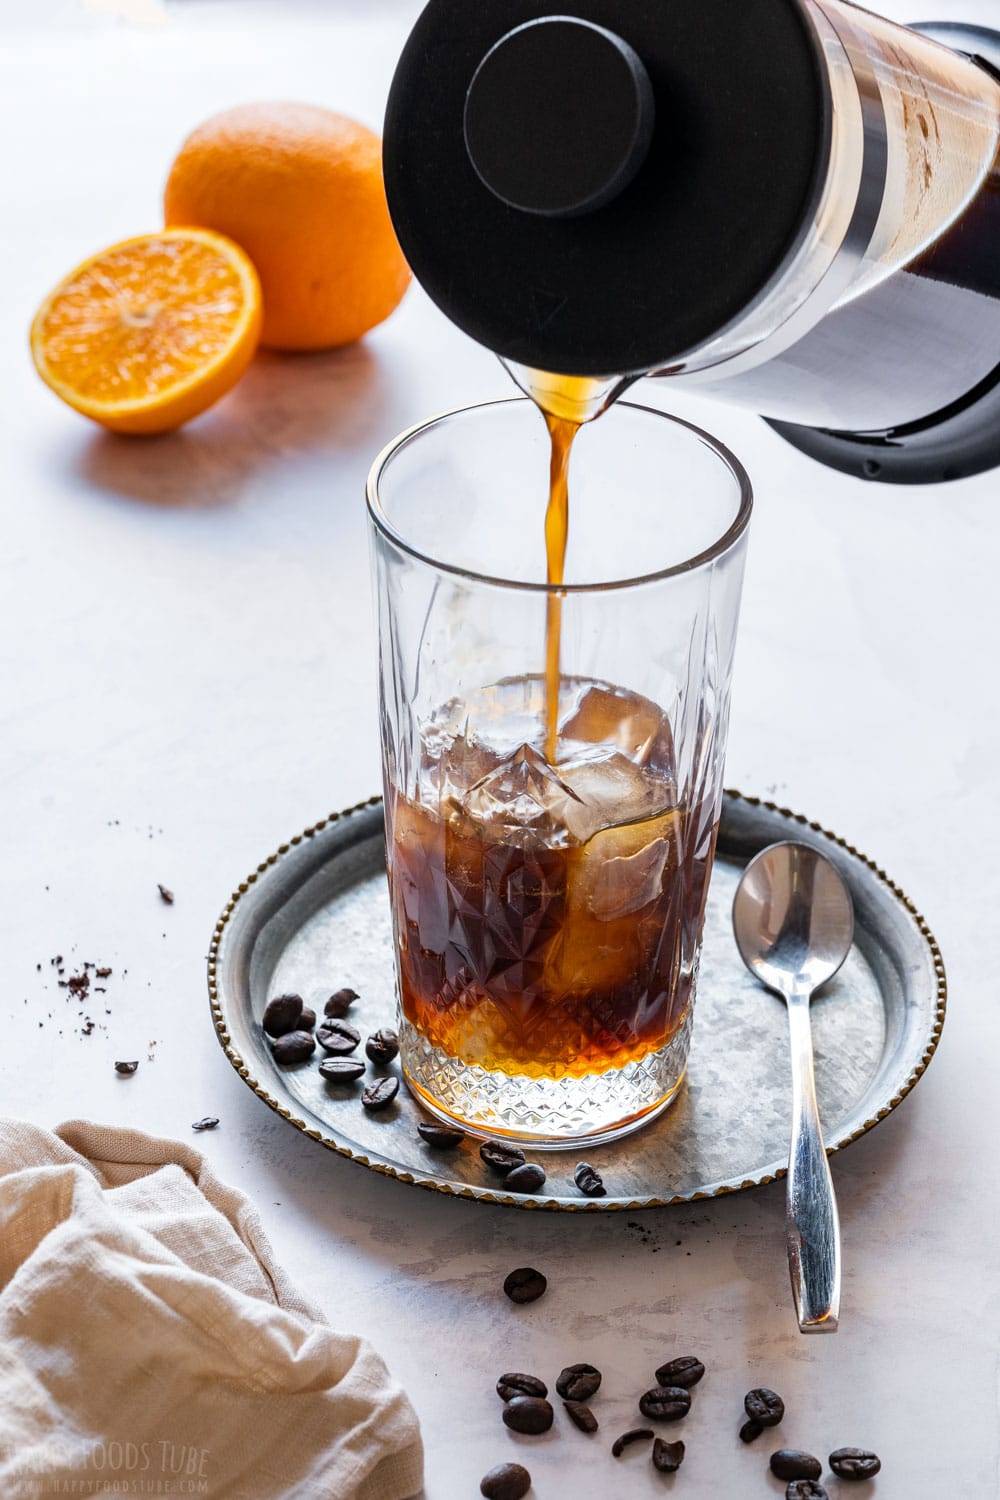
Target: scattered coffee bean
637	1435
339	1004
126	1069
501	1158
515	1384
525	1285
665	1403
438	1136
685	1371
207	1122
581	1416
505	1482
855	1463
307	1020
527	1178
528	1414
294	1047
380	1094
805	1489
383	1046
342	1069
578	1382
338	1037
764	1406
167	897
751	1431
281	1015
589	1182
667	1457
792	1463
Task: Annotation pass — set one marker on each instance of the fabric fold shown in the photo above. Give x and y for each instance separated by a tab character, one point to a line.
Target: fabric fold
151	1344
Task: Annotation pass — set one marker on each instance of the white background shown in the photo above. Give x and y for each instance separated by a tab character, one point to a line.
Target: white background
187	674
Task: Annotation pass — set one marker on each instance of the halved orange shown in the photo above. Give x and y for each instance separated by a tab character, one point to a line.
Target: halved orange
150	332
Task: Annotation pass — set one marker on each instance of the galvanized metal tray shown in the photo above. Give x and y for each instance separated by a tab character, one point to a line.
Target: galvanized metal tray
314	917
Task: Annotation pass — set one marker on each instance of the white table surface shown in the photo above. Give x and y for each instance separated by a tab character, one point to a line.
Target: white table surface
187	667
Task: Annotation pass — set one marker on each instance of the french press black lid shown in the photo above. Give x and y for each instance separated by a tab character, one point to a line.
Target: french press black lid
597	190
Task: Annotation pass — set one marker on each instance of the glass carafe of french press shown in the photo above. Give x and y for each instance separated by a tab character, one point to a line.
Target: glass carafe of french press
790	204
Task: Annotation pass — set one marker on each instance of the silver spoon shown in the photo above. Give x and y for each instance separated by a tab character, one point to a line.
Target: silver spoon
794	924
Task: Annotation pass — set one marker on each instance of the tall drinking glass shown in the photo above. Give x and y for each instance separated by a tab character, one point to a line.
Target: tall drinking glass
547	908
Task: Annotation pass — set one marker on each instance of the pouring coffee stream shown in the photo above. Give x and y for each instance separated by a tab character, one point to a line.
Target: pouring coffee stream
565	403
561	432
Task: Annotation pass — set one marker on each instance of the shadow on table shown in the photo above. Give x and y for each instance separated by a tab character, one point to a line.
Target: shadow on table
285	404
713	1272
409	1228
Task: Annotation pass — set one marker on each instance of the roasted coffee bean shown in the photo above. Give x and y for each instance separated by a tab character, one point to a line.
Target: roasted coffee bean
665	1403
751	1431
588	1181
307	1020
440	1137
855	1463
578	1382
529	1414
764	1406
382	1046
380	1094
342	1069
685	1371
667	1457
637	1435
338	1037
525	1285
581	1416
339	1004
207	1122
526	1179
501	1158
505	1482
515	1384
805	1489
126	1069
294	1047
281	1014
792	1463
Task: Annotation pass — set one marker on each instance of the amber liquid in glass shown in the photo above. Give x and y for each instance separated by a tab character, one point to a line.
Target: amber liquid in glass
547	916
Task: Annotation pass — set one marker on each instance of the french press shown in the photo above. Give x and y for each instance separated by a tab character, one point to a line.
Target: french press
790	204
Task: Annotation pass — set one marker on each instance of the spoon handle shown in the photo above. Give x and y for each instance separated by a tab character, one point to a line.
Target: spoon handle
812	1225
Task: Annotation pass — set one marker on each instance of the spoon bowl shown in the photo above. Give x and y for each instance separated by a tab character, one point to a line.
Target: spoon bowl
793	918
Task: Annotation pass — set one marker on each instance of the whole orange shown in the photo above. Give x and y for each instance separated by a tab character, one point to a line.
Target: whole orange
300	189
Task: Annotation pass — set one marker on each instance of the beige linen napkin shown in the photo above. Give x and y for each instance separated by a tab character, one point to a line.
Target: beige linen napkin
150	1345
